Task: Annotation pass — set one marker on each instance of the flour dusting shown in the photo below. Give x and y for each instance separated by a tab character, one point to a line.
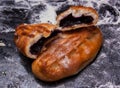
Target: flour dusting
108	85
42	13
33	12
103	72
48	16
2	44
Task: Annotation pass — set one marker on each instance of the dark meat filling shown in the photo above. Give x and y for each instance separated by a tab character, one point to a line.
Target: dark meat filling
36	48
70	20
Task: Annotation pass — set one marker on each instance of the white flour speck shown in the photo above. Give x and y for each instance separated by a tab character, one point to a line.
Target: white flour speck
65	62
108	85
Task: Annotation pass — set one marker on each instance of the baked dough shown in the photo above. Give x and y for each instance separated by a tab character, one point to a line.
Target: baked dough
67	53
76	17
63	53
29	38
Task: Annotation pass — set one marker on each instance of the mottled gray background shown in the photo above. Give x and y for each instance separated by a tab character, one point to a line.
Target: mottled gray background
15	69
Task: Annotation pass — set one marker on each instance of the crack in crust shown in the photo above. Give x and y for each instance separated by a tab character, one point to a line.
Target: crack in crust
65	52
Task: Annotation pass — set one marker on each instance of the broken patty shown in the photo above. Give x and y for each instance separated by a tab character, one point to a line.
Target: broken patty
76	17
29	38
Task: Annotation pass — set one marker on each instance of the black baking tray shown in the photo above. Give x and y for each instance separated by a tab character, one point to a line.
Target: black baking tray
15	69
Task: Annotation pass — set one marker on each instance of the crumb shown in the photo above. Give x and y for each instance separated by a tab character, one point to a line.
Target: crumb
4	73
2	44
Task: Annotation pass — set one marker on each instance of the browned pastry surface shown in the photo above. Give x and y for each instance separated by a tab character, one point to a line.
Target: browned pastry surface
67	53
76	17
26	35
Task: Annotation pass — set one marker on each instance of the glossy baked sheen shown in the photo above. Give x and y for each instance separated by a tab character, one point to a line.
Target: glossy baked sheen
67	53
27	35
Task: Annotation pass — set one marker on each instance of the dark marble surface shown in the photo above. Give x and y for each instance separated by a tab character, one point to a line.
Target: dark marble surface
15	69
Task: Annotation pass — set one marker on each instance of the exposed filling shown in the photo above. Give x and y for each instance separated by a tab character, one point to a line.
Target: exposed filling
70	20
36	48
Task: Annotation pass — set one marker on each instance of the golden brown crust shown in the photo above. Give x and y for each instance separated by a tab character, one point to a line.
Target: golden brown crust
77	11
28	34
67	54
